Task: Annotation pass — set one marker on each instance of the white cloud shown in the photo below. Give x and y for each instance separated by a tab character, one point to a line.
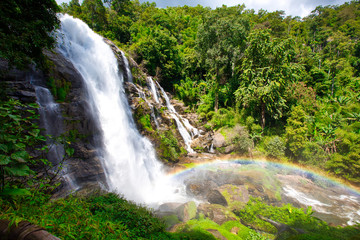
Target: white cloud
291	7
300	8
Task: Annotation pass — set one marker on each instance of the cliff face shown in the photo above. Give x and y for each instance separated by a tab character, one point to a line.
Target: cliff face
84	166
153	117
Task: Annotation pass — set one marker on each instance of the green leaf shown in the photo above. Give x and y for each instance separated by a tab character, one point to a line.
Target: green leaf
20	145
4	160
69	151
15	192
35	132
19	170
20	156
4	148
16	118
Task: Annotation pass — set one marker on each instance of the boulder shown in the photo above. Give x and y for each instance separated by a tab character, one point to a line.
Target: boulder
169	207
234	194
215	197
216	234
216	213
200	187
219	140
186	211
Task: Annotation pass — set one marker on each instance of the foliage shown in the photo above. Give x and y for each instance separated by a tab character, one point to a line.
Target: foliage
23	150
293	217
223	117
59	88
296	130
25	28
170	149
296	78
18	135
267	69
145	122
220	43
275	147
96	217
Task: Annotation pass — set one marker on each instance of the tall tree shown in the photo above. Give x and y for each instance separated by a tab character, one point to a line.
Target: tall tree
266	70
220	43
25	28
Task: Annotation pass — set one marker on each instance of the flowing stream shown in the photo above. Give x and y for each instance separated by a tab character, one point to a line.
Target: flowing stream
187	131
129	158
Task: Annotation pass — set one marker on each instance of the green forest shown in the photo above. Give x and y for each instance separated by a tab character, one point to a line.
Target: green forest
293	84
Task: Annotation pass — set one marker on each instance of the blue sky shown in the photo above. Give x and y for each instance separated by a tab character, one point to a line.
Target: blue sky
291	7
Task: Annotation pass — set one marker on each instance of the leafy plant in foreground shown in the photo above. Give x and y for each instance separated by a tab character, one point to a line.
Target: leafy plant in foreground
18	134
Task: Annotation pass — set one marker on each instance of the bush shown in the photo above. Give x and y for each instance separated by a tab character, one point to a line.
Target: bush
275	147
237	138
170	149
313	154
145	122
223	117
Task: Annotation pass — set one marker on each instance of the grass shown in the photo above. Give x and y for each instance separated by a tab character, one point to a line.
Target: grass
106	216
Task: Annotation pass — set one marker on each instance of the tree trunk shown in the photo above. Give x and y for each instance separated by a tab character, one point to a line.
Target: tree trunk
23	231
262	114
216	100
217	80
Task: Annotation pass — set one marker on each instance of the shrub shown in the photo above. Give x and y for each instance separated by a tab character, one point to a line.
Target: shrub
275	147
169	147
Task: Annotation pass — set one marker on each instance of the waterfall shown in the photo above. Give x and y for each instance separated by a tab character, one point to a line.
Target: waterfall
129	76
143	96
153	89
52	121
129	158
183	124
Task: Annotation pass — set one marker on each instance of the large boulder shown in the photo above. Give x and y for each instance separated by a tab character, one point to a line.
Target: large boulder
219	140
186	211
216	213
215	197
236	196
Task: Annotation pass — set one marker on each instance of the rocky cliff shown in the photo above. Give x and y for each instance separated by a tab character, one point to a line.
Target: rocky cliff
84	166
152	115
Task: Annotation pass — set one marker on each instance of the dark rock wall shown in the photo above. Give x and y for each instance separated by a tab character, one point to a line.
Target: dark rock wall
84	166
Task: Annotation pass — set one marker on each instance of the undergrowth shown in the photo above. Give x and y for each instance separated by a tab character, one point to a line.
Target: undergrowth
97	217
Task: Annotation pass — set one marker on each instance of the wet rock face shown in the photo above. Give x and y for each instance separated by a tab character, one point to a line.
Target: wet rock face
84	166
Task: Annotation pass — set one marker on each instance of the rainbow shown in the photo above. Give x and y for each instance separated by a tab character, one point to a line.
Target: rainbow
303	170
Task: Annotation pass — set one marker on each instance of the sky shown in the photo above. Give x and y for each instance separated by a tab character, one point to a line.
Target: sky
300	8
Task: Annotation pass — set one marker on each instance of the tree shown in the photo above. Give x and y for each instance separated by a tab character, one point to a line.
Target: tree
94	14
220	44
296	131
25	28
73	8
265	72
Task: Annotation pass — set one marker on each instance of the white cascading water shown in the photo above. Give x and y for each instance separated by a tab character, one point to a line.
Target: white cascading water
52	121
50	118
129	159
153	89
127	67
181	124
143	96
